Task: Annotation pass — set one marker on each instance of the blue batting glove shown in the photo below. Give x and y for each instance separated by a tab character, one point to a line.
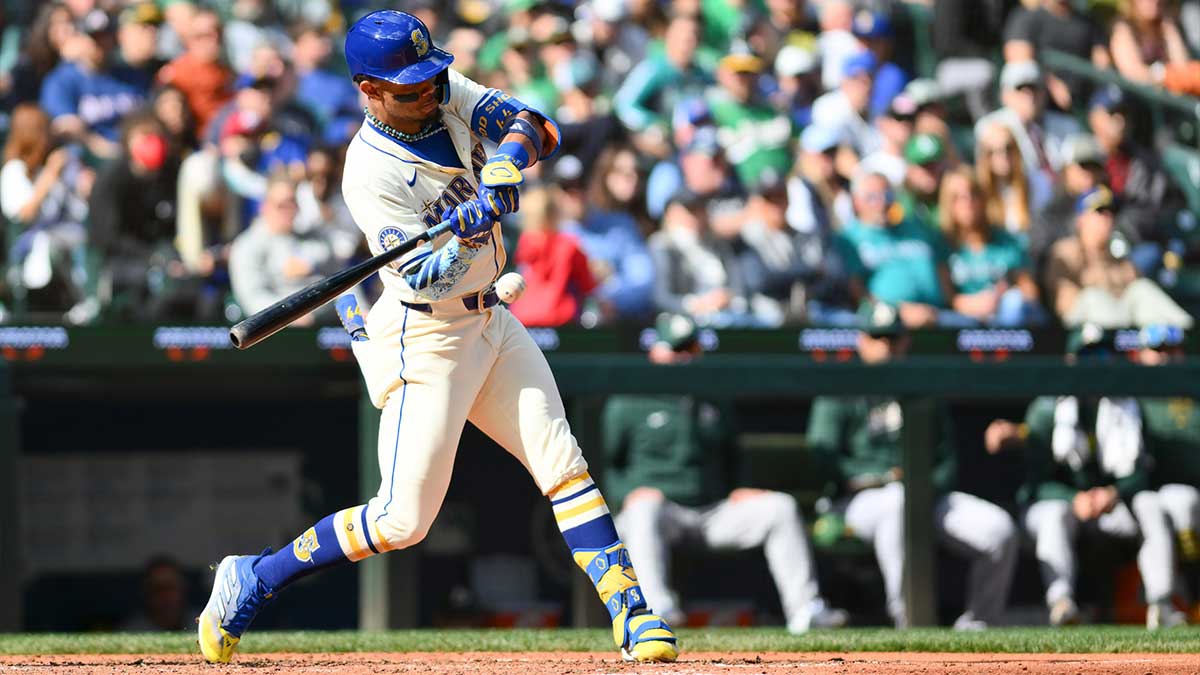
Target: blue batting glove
470	221
351	317
498	181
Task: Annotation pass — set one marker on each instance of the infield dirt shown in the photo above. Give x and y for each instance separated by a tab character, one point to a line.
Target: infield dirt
585	663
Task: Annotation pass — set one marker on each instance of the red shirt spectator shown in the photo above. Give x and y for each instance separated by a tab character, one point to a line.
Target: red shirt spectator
557	278
199	73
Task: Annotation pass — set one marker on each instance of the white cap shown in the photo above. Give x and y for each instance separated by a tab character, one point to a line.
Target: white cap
1020	73
610	11
793	60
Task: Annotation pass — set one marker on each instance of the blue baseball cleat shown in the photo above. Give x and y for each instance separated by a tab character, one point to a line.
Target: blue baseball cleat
237	595
351	317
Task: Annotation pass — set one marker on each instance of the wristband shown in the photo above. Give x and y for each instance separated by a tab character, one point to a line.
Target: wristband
516	152
527	129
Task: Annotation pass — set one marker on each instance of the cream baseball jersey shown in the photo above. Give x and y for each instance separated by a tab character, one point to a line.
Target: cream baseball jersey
395	194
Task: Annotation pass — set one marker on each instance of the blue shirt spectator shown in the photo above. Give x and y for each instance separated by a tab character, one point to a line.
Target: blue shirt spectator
83	97
98	98
875	32
331	97
613	238
607	232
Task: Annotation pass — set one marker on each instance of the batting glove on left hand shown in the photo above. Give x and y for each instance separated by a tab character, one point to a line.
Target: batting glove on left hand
498	181
470	222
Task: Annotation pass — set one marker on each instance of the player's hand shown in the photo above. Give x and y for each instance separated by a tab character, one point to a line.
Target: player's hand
470	222
1082	506
641	494
1103	499
498	182
742	494
1000	434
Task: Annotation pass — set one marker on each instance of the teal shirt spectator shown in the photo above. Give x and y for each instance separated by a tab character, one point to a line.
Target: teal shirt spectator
896	264
653	89
972	271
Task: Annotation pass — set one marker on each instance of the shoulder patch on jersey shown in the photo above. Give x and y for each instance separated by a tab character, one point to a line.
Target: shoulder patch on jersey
391	237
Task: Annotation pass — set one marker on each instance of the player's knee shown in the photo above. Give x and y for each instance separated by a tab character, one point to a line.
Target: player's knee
1055	515
644	510
402	531
1146	504
779	507
1002	533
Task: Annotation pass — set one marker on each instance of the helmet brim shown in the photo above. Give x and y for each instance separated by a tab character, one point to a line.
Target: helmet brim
434	63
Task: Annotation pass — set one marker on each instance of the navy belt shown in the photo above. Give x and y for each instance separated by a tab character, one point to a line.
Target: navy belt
471	302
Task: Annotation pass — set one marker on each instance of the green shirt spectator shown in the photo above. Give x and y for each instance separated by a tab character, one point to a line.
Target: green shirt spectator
757	139
680	445
926	157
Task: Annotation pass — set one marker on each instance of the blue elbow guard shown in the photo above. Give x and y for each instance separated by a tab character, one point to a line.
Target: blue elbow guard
496	113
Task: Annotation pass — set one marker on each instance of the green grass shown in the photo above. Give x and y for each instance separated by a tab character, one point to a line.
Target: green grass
1100	639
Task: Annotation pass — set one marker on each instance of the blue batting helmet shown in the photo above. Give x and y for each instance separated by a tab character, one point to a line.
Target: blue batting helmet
394	46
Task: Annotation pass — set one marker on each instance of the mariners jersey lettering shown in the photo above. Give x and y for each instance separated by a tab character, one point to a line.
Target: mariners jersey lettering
395	195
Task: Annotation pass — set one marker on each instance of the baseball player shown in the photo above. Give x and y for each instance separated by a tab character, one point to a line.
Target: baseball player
1088	469
440	351
1172	429
673	466
858	440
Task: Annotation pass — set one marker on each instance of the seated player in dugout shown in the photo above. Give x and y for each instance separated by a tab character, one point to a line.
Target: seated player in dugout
672	463
855	441
440	349
1089	470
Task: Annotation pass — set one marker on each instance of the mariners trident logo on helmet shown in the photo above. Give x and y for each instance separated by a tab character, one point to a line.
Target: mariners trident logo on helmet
396	47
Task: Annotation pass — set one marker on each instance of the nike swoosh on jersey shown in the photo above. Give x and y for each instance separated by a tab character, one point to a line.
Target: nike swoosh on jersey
412	181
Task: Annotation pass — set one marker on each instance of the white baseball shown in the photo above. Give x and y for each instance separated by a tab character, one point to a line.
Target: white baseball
510	287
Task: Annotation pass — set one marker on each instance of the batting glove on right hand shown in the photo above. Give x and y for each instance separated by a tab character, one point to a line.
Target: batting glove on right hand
470	222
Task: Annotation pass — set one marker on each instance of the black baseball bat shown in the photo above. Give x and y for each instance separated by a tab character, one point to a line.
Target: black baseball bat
271	320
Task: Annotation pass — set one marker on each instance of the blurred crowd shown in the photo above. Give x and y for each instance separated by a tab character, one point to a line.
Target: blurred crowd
744	162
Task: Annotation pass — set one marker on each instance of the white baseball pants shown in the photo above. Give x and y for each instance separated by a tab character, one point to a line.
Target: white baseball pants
432	373
968	525
772	520
1054	528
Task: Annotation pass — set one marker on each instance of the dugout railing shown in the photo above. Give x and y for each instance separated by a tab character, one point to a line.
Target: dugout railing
45	362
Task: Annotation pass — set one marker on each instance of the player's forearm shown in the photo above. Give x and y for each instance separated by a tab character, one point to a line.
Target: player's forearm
528	139
437	274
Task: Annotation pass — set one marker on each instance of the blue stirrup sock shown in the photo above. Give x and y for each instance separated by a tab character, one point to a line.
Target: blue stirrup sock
344	536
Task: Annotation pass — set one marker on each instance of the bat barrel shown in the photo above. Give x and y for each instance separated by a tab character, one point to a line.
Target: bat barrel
271	320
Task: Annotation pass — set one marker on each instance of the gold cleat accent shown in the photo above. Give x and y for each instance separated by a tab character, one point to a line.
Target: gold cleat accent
216	645
617	584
